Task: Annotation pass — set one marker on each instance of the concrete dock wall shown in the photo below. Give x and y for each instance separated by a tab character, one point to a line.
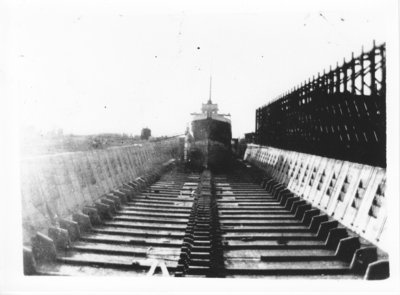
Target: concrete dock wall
61	184
352	193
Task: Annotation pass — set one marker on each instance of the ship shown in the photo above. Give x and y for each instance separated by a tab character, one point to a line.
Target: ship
209	144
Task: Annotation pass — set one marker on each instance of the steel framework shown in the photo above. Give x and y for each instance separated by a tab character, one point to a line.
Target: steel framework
340	114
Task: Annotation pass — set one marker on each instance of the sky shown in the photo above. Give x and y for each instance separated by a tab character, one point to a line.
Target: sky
117	66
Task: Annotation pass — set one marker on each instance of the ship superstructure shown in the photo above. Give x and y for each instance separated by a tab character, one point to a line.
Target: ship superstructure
212	134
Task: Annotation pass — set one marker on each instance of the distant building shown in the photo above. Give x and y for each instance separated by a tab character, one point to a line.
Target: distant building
146	133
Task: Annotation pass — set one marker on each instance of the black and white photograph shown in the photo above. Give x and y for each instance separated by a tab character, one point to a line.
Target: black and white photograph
215	147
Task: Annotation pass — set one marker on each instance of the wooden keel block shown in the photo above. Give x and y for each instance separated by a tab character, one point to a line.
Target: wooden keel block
184	258
188	239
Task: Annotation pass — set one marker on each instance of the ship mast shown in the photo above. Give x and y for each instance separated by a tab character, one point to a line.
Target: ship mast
208	129
209	99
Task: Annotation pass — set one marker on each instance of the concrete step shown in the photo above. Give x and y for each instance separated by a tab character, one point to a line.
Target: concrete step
269	236
113	261
152	214
256	264
120	249
133	241
258	254
145	233
170	205
135	208
152	219
264	217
